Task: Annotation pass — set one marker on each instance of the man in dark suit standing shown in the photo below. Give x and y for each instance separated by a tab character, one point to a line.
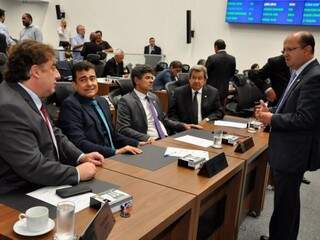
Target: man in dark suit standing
294	143
278	72
33	152
152	48
139	112
114	66
203	101
221	68
86	119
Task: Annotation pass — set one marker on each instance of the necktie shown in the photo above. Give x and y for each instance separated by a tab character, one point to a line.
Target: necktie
284	96
98	109
45	115
155	119
195	108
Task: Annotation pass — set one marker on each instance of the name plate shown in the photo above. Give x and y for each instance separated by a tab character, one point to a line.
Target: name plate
244	145
213	165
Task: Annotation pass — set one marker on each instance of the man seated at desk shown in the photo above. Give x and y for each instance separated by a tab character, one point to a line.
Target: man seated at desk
33	152
168	75
139	112
114	66
195	101
86	118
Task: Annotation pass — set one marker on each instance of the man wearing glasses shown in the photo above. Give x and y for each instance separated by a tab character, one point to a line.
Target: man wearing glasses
294	143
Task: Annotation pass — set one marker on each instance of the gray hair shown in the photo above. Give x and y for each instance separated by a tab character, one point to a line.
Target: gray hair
199	68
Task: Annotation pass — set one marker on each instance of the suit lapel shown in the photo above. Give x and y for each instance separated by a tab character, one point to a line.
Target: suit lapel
140	107
25	96
298	80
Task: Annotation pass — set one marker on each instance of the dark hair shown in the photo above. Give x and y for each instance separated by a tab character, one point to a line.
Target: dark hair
80	66
175	64
29	16
307	39
2	12
201	62
220	44
151	38
25	54
254	66
98	31
139	71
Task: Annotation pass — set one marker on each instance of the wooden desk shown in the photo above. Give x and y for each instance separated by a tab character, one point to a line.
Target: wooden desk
163	97
217	198
158	212
256	169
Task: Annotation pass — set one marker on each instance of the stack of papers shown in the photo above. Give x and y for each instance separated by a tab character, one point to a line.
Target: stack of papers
195	141
182	152
48	195
230	124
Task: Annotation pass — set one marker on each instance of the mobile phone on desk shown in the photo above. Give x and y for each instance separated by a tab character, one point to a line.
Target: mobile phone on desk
73	191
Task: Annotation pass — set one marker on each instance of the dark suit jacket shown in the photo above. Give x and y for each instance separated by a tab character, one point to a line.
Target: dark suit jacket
90	48
294	143
113	69
28	157
156	50
182	97
277	71
80	123
221	69
132	119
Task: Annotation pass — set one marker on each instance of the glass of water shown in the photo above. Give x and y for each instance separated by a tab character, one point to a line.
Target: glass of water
65	221
217	138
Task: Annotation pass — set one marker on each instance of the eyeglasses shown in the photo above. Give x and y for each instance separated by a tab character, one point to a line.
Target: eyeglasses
289	50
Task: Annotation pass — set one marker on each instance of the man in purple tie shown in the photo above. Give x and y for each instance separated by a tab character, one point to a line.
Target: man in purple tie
139	112
294	143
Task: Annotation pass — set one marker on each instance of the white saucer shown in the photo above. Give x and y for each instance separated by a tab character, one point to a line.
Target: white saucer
20	227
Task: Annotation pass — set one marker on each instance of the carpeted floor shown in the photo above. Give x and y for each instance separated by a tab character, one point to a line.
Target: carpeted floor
252	228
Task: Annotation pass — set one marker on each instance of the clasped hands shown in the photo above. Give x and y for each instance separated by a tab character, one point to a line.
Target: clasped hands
263	114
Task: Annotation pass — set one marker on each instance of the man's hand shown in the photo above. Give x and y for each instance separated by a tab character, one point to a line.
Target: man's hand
264	117
93	157
151	140
271	95
189	126
129	149
86	171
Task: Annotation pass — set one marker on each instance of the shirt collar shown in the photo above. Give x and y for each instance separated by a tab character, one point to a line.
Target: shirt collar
300	69
140	95
199	91
33	95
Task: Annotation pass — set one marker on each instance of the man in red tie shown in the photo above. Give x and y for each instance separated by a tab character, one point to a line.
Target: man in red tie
33	152
139	112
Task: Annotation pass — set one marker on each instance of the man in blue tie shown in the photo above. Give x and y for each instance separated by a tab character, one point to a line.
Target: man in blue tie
86	118
294	143
139	112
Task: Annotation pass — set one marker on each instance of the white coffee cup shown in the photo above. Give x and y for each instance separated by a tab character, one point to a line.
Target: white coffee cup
36	218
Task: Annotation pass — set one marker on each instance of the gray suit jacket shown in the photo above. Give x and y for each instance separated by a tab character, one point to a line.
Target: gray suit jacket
294	143
132	119
27	154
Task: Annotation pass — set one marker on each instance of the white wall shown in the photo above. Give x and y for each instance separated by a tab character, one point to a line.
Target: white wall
128	24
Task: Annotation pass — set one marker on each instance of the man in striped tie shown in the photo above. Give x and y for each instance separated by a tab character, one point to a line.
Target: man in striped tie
294	143
139	113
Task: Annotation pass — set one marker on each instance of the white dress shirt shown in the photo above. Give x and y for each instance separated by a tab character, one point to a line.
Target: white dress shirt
152	131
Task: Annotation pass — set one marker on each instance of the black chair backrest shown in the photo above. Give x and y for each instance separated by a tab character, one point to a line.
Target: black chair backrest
247	95
170	87
93	58
64	67
100	68
125	85
185	68
161	66
63	90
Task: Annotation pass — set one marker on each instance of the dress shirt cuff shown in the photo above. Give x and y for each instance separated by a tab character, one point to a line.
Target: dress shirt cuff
78	160
78	175
268	89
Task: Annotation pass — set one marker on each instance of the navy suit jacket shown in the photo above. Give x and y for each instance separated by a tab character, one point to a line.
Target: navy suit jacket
182	97
294	143
156	50
80	123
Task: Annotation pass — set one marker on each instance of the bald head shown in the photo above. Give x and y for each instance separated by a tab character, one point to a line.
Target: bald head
298	48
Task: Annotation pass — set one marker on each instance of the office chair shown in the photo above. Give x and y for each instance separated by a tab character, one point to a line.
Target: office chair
185	68
125	86
160	67
64	67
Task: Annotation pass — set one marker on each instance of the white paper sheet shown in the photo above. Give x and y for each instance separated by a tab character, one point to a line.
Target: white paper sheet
195	141
230	124
48	195
181	152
